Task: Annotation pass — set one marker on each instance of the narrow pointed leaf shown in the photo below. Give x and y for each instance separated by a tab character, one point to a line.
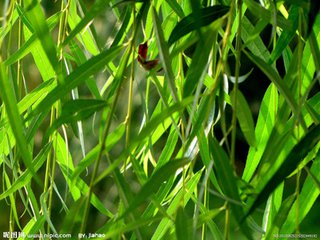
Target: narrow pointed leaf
26	176
9	100
192	22
287	34
273	75
97	8
164	54
78	76
154	182
245	118
183	225
36	17
297	154
227	180
76	110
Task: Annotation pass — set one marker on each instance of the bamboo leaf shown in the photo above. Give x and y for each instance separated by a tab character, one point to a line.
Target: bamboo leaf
44	208
253	40
168	149
12	200
261	12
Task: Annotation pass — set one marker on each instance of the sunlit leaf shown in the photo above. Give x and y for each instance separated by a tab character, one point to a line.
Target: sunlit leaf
297	154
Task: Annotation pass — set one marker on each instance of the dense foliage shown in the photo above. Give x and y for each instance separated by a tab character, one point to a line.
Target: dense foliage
162	119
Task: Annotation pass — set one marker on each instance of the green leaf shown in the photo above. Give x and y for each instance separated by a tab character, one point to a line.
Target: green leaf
44	208
313	176
168	149
64	160
7	28
33	226
273	75
252	40
80	58
96	9
12	200
9	99
180	199
29	44
183	224
76	110
286	35
112	139
26	176
36	17
121	33
200	62
297	154
307	198
154	182
145	132
84	163
84	189
36	96
110	232
226	178
164	55
192	22
314	45
127	2
176	7
78	76
260	12
281	216
244	116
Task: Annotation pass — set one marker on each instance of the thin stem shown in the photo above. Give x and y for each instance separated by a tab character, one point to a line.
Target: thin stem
49	162
62	26
297	191
102	148
129	111
52	174
299	65
237	72
19	63
227	223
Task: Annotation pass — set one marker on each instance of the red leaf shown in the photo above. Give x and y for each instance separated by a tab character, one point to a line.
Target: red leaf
148	65
142	52
142	57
